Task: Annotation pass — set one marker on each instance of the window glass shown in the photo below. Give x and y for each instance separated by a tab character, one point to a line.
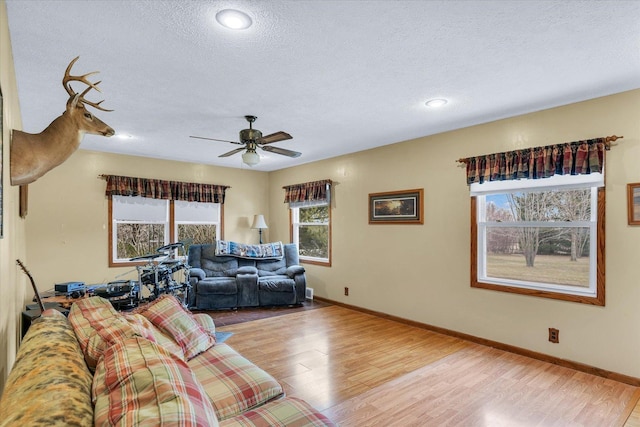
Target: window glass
196	223
311	231
540	239
140	225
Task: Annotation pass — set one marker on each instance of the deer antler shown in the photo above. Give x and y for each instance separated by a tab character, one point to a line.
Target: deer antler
93	104
68	78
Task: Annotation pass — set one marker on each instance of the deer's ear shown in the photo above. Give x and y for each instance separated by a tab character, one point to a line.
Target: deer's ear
73	101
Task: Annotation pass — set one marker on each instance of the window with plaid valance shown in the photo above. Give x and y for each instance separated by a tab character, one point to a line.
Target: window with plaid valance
315	191
572	158
167	190
540	207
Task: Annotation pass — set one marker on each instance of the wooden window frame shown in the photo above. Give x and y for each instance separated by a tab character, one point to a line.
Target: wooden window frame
330	243
598	299
172	233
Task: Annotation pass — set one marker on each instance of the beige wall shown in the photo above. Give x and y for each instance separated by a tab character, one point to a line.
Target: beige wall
13	284
67	223
421	272
416	272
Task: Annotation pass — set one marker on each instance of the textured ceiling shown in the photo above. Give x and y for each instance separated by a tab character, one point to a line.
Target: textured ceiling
339	76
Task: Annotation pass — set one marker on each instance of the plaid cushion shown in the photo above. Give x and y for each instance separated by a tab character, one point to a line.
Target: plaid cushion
137	382
285	412
168	314
206	322
49	380
233	383
97	325
159	336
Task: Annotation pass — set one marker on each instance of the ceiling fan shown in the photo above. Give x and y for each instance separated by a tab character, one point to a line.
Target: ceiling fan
251	139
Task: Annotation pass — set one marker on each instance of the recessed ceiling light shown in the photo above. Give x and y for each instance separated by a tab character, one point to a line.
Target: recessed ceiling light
233	19
438	102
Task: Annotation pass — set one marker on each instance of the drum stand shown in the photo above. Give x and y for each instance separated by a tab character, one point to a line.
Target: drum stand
158	277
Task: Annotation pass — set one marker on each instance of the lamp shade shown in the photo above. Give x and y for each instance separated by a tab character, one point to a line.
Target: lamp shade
251	158
258	222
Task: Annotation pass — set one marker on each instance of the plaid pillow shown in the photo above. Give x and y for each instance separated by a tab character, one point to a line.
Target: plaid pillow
168	314
159	336
137	382
98	325
206	322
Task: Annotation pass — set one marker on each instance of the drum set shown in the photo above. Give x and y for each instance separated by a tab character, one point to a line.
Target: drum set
164	274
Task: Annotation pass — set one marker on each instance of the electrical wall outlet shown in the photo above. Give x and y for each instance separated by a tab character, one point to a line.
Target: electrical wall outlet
346	291
554	335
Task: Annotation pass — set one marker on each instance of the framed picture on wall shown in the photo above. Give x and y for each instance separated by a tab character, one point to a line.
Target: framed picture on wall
396	207
633	203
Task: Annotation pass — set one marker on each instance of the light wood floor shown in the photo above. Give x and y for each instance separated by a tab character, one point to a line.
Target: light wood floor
362	370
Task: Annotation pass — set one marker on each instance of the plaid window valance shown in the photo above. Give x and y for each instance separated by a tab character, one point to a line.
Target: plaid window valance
572	158
167	190
308	191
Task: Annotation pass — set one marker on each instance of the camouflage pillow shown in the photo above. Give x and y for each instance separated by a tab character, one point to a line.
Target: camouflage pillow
49	380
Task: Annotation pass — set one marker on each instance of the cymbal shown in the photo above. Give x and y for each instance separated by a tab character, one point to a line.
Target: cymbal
170	247
148	256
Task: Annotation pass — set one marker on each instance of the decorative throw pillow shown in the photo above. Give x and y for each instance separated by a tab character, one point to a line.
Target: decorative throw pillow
137	382
168	314
206	322
49	382
97	325
159	336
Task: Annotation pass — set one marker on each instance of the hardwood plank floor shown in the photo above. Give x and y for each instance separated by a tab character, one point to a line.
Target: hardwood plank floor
363	370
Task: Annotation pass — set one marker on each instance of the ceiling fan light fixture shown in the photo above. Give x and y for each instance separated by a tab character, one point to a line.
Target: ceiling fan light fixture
436	102
250	157
233	19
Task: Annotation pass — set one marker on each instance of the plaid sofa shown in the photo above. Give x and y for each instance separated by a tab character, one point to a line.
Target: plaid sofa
159	365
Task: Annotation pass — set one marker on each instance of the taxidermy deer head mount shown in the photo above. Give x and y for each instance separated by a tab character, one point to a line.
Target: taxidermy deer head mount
33	155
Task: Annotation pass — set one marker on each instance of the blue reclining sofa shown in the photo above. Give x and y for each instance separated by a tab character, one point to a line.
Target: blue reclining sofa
224	281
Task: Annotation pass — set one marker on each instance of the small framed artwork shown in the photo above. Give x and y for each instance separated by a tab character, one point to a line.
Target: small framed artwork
396	207
633	203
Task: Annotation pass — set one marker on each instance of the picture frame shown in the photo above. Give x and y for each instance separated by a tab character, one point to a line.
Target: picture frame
633	203
397	207
1	167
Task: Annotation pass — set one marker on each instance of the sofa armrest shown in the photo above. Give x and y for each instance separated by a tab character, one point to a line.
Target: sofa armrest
293	270
197	273
49	382
247	269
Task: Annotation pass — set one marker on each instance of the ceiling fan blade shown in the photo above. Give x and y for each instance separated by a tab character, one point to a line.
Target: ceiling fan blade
282	151
274	137
232	152
213	139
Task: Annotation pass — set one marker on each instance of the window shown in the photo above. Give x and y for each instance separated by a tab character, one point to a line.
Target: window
541	237
311	231
196	223
310	219
141	225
